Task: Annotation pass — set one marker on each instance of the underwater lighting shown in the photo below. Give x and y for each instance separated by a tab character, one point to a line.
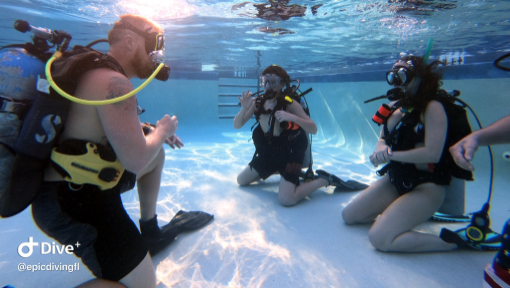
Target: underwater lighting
208	67
159	9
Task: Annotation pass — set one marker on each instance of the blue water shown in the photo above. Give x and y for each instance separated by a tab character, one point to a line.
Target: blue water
343	56
215	35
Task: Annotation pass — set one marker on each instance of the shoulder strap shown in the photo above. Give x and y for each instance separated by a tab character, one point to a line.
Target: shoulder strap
68	69
259	104
394	107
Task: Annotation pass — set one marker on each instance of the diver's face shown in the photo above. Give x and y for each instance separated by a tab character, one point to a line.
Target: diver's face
271	82
142	62
410	86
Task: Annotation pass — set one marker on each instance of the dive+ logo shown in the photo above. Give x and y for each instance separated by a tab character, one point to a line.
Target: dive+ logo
46	248
47	125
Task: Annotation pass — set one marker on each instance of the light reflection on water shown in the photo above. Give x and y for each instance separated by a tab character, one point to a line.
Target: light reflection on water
252	241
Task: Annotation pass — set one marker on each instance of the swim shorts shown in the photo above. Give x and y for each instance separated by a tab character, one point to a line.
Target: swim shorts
110	244
284	154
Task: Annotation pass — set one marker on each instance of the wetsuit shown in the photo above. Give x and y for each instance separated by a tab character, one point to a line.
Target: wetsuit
284	153
110	244
407	133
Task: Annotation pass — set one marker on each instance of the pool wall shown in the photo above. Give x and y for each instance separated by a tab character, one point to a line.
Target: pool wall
343	119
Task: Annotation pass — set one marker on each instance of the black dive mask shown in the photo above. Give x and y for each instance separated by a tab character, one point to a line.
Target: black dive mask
154	41
401	74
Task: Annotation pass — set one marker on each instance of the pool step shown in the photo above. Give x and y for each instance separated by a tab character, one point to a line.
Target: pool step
228	91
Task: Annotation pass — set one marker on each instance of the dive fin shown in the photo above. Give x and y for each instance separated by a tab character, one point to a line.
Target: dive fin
350	185
441	217
341	185
186	221
159	238
492	241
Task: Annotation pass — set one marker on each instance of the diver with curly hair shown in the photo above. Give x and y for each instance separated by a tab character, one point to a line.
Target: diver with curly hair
413	145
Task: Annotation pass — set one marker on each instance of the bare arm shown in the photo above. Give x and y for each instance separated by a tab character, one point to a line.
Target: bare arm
496	133
120	121
464	150
382	151
296	114
247	110
436	126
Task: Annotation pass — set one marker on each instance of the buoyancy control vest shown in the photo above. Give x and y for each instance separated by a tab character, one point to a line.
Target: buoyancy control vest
409	131
42	120
281	104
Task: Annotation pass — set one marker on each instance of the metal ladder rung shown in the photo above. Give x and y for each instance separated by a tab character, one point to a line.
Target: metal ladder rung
229	95
234	85
232	117
228	105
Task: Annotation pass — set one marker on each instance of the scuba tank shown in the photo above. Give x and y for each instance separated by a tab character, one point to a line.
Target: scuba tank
32	114
30	120
19	71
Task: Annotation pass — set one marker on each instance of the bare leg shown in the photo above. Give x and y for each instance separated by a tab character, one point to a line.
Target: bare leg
143	276
149	181
371	202
392	230
247	176
289	194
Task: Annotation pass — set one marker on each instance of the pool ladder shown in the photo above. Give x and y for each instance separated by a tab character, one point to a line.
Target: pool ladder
228	91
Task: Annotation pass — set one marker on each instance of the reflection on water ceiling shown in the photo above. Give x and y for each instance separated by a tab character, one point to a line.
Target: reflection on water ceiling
308	36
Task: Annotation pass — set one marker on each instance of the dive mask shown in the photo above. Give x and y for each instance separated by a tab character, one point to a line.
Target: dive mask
154	41
269	81
401	74
154	46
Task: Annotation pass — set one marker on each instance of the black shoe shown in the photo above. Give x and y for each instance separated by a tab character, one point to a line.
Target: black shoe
158	238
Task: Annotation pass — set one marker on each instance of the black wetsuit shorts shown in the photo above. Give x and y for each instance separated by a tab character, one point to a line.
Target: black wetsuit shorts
284	154
110	244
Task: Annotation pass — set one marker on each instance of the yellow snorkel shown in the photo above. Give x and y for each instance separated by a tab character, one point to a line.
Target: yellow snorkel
53	85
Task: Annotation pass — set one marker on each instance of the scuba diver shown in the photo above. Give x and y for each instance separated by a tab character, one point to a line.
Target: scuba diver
413	144
100	154
280	137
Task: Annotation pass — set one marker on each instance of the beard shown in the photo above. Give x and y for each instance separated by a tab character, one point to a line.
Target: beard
142	65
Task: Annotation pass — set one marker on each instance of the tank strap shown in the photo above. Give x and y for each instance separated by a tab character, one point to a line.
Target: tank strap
9	105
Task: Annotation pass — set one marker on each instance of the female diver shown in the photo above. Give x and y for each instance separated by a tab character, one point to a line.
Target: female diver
280	138
418	165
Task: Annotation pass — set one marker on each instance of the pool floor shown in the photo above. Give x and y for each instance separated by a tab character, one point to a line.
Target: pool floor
253	241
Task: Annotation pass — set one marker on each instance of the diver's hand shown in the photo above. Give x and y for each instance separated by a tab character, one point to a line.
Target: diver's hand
381	155
246	101
167	125
174	141
284	116
463	151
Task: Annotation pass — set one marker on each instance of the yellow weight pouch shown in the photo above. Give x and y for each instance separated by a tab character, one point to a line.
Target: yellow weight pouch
82	162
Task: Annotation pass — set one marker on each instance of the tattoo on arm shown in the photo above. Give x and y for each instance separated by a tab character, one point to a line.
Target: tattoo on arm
118	86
